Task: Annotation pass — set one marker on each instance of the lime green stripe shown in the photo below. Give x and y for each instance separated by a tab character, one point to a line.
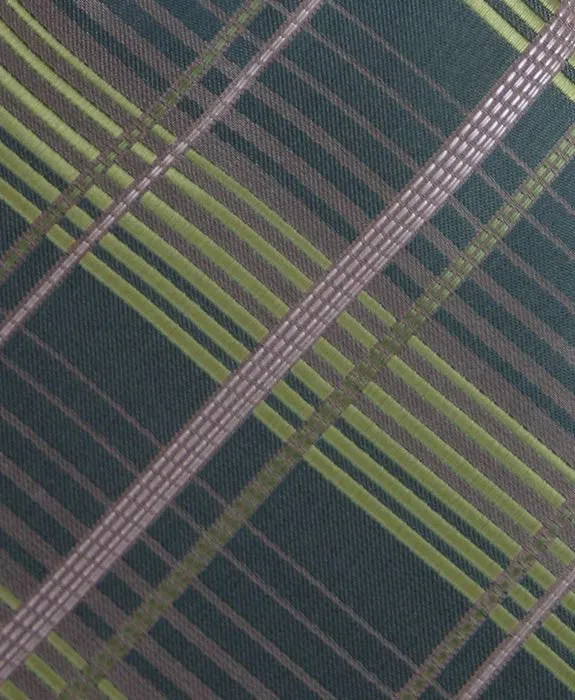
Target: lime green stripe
223	338
433	483
491	407
252	238
73	60
72	95
8	598
12	692
412	503
300	412
45	673
486	441
517	40
435	560
449	457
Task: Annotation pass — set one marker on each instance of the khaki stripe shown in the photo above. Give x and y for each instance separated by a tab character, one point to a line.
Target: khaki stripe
124	142
339	399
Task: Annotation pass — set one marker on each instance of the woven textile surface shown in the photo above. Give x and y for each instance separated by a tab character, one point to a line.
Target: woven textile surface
287	349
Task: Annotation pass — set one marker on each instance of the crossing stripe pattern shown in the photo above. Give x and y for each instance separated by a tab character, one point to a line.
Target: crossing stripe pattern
332	335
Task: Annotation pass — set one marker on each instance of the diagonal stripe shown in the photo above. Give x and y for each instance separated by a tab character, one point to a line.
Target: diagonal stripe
238	513
130	135
119	207
503	654
203	436
521	565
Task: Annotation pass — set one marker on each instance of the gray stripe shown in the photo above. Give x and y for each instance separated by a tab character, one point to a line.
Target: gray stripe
204	435
119	207
503	654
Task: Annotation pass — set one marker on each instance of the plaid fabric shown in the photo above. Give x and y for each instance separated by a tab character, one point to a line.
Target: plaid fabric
287	329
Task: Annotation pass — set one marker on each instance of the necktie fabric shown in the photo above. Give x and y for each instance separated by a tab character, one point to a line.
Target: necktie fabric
287	350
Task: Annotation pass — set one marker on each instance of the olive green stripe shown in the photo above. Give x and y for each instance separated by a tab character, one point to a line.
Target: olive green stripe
515	38
299	444
238	352
302	409
508	212
521	565
288	270
41	670
129	136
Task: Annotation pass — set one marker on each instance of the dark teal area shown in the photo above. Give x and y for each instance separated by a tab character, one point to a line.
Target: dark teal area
215	81
122	354
531	142
195	16
241	51
453	226
311	152
359	93
31	159
113	46
523	678
563	185
403	514
310	600
196	295
241	646
362	563
12	226
428	254
74	444
272	167
284	630
403	281
340	126
513	607
152	31
266	23
24	278
386	65
119	593
160	682
545	306
541	253
19	555
466	62
393	468
555	645
479	198
290	4
93	621
196	662
81	398
190	107
471	655
432	694
31	512
164	305
199	504
228	5
502	169
511	17
174	534
248	449
22	187
506	370
50	477
553	362
147	564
